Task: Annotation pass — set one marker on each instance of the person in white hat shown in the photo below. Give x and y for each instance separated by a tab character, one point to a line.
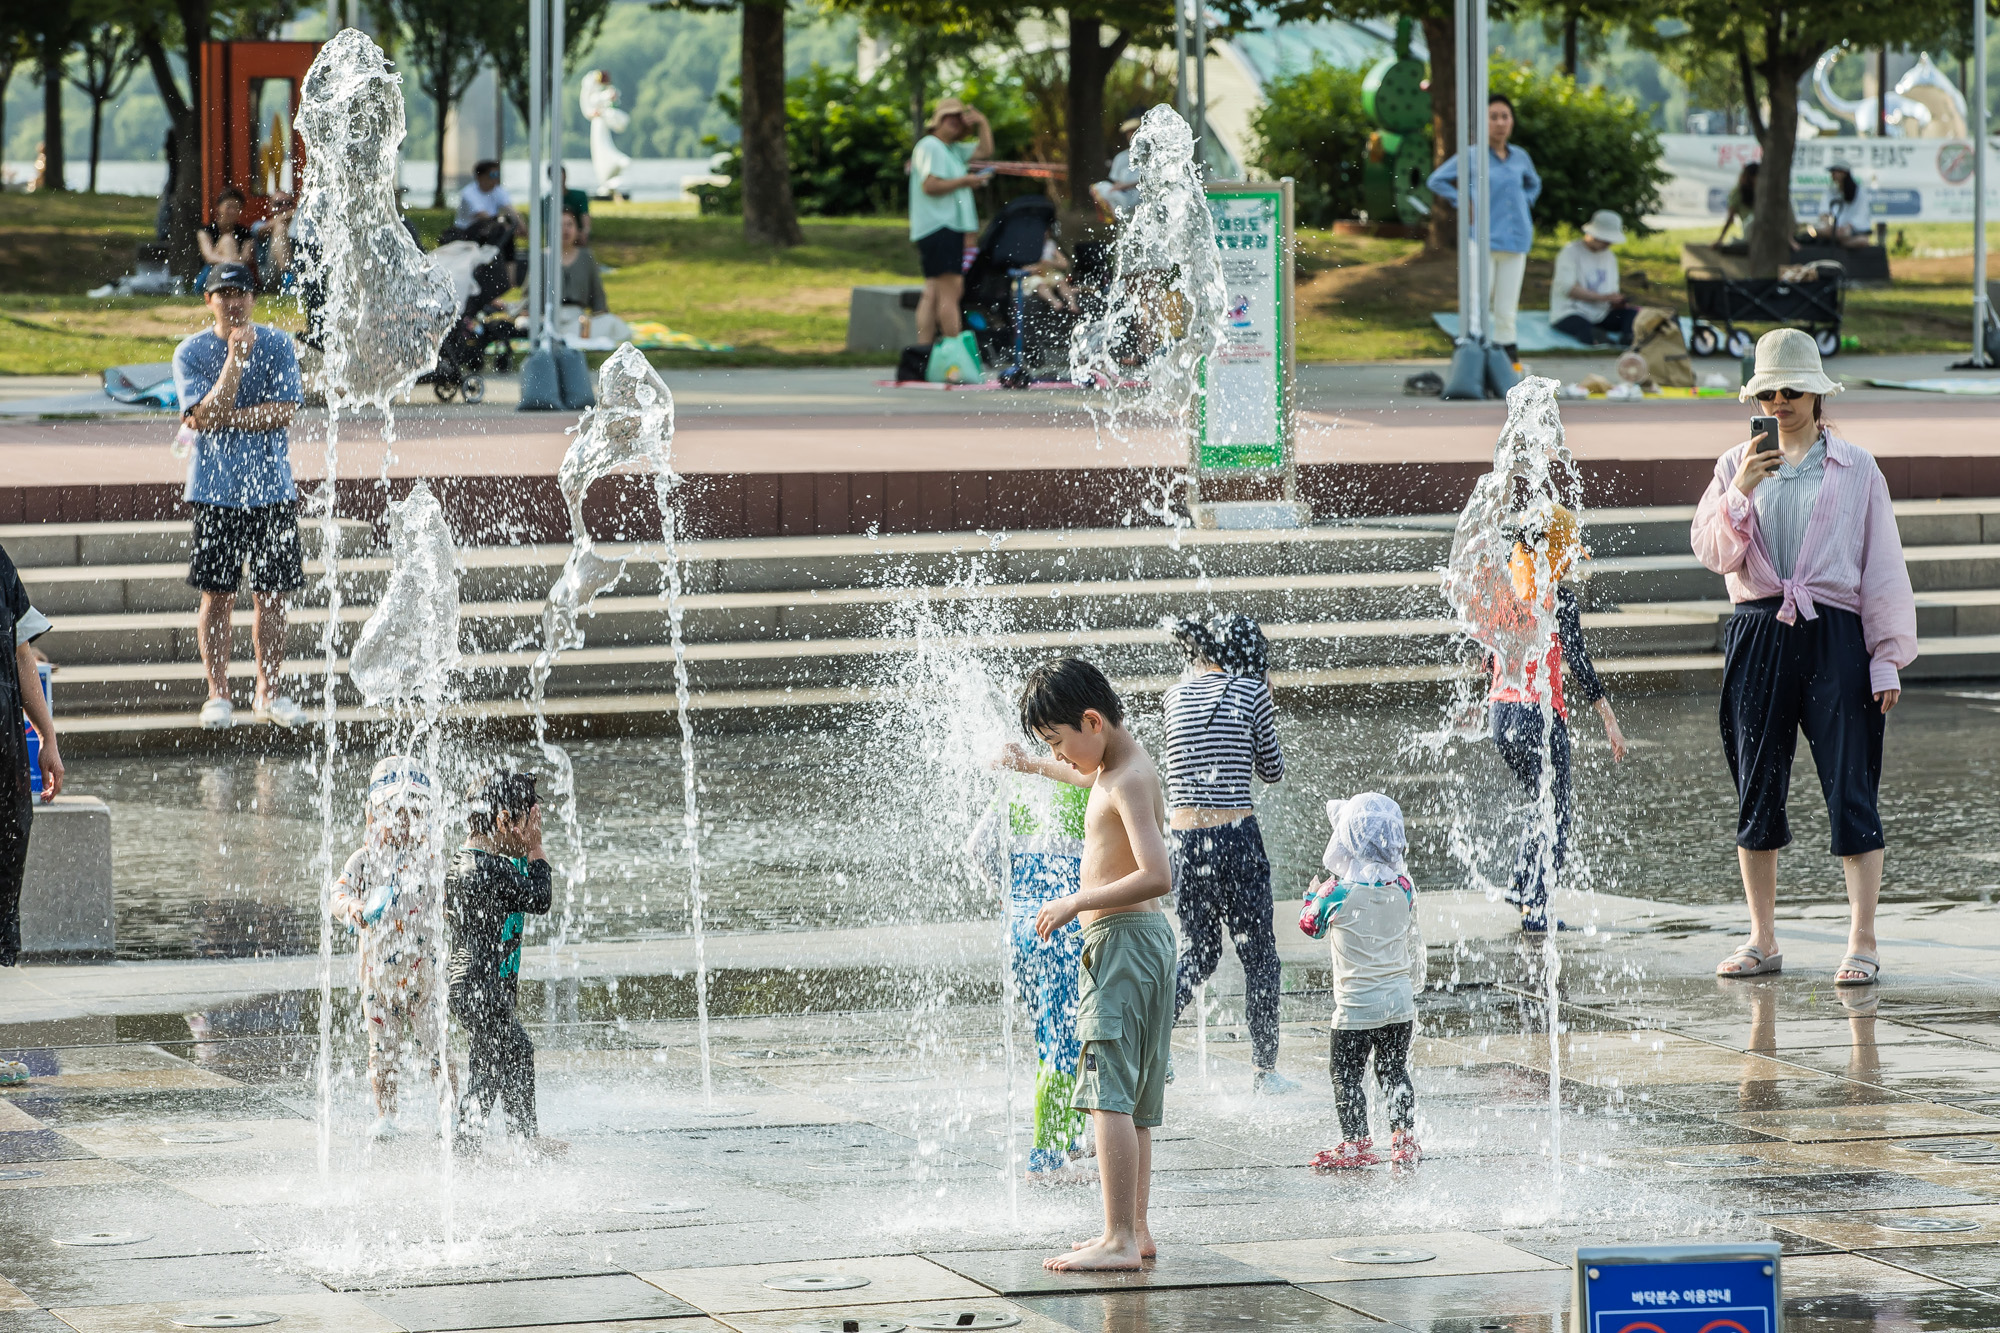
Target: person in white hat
391	893
1802	531
1584	300
942	214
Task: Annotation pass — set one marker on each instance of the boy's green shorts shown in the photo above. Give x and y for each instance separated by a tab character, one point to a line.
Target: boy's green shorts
1125	1015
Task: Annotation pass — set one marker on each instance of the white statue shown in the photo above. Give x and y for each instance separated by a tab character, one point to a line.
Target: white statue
599	101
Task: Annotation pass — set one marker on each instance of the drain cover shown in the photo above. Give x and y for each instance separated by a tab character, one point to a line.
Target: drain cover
204	1136
1371	1254
225	1319
818	1282
848	1326
967	1319
1715	1161
661	1208
20	1175
1945	1145
105	1238
1984	1154
1926	1224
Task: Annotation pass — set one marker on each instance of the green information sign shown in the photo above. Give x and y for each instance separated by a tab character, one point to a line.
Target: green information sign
1244	424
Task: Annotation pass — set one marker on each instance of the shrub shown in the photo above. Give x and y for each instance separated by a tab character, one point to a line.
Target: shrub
849	143
1312	128
1592	148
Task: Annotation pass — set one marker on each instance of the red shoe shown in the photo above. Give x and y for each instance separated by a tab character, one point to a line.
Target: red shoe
1403	1149
1346	1157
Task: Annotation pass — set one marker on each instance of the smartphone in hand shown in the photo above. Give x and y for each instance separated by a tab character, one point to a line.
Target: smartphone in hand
1768	428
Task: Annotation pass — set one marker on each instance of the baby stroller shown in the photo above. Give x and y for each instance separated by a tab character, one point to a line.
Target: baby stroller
1012	331
479	272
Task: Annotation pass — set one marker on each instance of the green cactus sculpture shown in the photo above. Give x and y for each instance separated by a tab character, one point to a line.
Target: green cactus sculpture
1396	96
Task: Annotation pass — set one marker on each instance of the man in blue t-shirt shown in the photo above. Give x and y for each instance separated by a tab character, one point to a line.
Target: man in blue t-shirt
239	386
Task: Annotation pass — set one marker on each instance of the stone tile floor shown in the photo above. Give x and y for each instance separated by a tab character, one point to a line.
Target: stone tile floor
865	1152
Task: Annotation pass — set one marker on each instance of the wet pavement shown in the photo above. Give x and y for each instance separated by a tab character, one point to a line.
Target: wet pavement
158	1168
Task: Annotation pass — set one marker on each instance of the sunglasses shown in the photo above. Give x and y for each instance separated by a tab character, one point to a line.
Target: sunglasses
1790	395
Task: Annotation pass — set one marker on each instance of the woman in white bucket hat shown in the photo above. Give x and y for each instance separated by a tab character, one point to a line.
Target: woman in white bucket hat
1805	538
1584	300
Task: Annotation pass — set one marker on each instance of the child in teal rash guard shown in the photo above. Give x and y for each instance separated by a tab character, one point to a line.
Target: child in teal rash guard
1039	859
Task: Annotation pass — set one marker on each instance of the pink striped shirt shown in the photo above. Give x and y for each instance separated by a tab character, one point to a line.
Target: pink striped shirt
1851	556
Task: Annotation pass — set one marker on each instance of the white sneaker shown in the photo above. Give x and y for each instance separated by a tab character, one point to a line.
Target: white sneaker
383	1128
218	715
285	711
1271	1083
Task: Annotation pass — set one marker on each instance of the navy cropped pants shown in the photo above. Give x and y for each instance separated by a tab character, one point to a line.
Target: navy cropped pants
1779	680
1223	879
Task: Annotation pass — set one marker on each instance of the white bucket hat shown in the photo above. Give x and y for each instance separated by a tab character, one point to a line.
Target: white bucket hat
1606	226
399	782
1787	359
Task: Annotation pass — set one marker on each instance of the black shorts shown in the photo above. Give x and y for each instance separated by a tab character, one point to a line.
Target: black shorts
942	253
266	537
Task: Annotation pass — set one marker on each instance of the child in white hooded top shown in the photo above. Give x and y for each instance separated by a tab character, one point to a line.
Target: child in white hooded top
1368	906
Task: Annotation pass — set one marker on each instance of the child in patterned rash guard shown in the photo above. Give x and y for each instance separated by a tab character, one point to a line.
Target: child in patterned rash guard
390	892
1044	841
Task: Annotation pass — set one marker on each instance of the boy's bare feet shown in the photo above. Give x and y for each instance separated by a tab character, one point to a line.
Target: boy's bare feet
1099	1256
1147	1250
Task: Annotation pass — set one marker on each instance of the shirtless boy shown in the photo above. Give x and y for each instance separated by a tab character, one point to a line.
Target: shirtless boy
1125	1012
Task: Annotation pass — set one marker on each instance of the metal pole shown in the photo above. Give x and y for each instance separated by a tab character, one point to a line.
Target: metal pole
1200	54
537	41
1482	269
1982	303
1182	102
353	13
1468	304
332	18
552	236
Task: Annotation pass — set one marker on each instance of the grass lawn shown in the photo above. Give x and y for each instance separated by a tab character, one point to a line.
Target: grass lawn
1360	299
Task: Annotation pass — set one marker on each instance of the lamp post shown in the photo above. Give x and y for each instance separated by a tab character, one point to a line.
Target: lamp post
1478	369
1982	300
554	377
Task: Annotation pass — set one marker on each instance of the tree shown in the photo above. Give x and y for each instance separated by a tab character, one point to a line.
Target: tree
447	42
1777	41
16	47
770	214
506	41
55	26
924	34
110	49
167	27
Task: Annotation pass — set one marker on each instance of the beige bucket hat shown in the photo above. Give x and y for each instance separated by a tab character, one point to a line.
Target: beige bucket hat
1787	359
947	106
1605	225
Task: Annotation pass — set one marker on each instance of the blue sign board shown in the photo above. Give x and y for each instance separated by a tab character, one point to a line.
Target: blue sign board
1679	1289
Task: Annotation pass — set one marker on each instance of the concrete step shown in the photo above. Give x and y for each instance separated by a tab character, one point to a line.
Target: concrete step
1663	529
802	663
603	713
160	541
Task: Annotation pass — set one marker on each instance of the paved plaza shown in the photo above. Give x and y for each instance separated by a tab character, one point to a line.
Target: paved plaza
162	1163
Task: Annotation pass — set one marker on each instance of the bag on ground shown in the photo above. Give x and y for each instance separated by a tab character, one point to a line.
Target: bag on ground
955	361
1656	335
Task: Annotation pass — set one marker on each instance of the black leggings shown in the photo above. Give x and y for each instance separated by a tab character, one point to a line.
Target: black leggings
502	1065
1222	877
1391	1046
13	866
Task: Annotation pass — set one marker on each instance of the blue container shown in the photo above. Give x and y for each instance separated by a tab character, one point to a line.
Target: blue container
43	669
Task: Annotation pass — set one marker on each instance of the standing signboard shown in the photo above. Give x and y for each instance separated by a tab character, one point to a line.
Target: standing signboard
1244	426
1727	1288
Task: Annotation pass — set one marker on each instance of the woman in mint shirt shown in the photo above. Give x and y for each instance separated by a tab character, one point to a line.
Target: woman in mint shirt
941	211
1512	187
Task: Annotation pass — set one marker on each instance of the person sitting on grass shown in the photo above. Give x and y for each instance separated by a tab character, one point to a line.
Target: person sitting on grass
1584	300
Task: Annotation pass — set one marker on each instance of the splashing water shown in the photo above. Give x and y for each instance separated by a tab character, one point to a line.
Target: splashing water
1501	586
382	311
409	648
632	425
1163	314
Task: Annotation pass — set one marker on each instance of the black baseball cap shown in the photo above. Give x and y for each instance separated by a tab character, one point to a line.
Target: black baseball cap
222	277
